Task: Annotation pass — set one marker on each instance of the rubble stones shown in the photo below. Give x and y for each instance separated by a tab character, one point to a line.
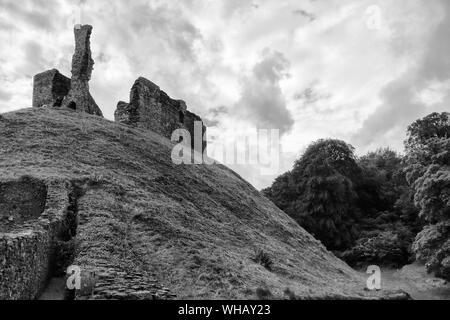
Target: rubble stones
114	284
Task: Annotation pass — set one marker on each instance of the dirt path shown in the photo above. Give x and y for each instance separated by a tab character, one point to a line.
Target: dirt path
414	280
55	290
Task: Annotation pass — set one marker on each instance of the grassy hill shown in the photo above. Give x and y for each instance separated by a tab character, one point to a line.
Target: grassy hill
195	230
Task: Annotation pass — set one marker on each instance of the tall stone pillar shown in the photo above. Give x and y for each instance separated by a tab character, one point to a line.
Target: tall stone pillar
79	97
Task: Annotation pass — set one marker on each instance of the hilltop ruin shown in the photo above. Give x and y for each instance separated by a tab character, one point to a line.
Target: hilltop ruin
52	89
151	108
79	97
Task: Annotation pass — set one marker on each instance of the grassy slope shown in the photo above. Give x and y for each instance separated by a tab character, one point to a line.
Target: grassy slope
195	229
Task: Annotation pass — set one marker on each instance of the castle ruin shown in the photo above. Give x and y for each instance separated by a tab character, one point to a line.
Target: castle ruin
151	108
79	97
52	89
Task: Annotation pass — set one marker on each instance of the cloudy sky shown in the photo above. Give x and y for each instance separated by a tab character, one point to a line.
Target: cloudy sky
356	70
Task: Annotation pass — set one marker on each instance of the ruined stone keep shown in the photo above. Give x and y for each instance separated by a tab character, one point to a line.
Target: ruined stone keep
52	89
151	108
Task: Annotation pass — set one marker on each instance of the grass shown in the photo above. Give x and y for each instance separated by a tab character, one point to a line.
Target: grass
263	259
190	228
263	294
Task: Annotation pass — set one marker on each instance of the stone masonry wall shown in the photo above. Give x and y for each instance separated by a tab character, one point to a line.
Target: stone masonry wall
151	108
27	249
79	97
50	88
32	252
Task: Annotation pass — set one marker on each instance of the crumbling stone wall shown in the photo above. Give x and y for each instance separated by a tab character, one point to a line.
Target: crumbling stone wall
27	247
21	201
50	88
55	90
151	108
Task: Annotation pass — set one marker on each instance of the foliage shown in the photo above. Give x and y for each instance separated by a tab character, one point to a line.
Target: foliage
384	248
340	199
428	172
381	199
386	199
432	246
433	193
428	165
381	182
421	132
319	193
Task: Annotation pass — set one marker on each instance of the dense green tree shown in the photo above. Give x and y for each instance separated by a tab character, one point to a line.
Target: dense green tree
319	192
381	181
421	132
383	190
339	199
428	172
428	165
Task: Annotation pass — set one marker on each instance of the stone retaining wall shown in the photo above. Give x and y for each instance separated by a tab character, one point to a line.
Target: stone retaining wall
27	249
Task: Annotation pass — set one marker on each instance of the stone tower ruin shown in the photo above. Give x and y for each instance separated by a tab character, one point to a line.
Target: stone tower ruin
151	108
53	89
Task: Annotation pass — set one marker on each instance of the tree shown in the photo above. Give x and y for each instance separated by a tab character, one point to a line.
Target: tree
381	181
428	165
421	132
319	192
282	192
428	172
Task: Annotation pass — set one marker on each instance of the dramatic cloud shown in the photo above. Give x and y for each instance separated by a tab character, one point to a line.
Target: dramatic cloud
38	15
401	102
357	70
262	101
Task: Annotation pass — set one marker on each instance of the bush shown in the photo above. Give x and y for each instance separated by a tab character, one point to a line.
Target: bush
440	263
320	192
432	247
386	249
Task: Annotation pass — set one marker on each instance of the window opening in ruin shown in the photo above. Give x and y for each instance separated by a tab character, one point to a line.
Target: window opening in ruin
72	106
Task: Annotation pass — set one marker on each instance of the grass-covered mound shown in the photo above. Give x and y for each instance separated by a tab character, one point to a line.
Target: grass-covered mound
201	231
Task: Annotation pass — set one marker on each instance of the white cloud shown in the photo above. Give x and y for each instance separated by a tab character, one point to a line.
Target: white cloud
346	80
